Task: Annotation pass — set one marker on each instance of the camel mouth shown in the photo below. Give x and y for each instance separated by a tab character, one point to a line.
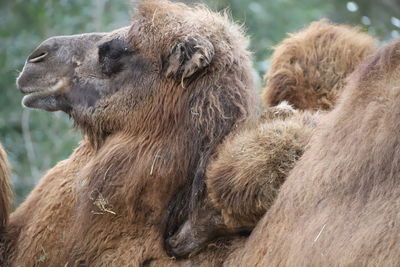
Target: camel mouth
38	98
27	91
29	98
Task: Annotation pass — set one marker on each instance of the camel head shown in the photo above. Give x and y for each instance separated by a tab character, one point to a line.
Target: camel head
71	73
87	76
204	225
109	82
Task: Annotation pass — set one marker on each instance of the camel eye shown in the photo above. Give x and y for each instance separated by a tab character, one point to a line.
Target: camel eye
111	54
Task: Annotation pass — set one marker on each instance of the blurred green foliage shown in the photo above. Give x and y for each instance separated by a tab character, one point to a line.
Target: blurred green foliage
36	140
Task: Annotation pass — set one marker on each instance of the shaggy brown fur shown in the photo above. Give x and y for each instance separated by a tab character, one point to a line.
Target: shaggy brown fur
5	190
308	69
282	111
340	204
245	176
244	179
266	154
152	112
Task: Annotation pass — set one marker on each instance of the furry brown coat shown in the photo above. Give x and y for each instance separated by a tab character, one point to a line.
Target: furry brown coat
252	164
340	204
153	101
5	190
308	69
245	176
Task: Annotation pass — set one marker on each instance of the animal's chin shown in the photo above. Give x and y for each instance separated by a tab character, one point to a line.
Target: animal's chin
49	99
42	100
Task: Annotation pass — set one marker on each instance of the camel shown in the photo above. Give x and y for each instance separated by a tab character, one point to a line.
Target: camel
309	68
153	100
245	176
340	204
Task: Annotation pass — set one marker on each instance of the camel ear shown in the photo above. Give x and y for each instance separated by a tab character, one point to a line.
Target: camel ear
189	57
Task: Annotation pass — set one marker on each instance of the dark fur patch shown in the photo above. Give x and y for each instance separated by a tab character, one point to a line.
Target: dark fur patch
189	57
111	54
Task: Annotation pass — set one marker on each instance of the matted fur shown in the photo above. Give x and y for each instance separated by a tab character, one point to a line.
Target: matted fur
5	190
340	204
106	204
308	69
245	178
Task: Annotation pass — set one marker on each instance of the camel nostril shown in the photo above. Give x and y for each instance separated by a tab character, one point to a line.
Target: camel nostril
37	57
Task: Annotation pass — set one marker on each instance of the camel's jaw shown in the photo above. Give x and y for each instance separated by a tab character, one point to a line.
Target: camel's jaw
50	98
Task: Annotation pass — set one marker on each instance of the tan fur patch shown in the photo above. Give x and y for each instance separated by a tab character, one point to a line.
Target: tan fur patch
308	69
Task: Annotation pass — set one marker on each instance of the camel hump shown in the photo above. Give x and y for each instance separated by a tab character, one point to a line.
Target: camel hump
309	68
5	189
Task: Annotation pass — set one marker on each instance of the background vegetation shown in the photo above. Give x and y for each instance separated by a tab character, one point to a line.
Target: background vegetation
36	140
